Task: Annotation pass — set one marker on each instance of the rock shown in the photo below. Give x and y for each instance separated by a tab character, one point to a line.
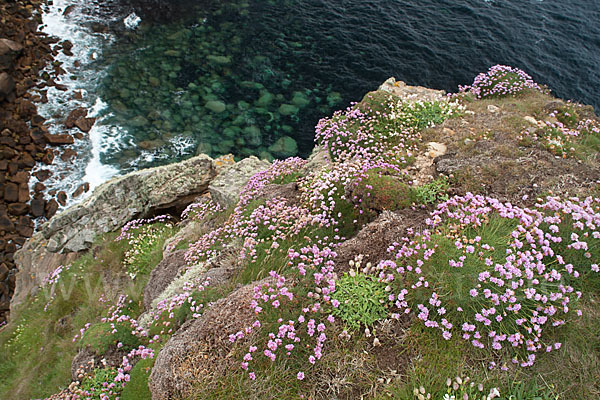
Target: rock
162	275
288	109
85	124
6	224
226	187
216	106
220	60
492	108
59	139
139	121
411	93
83	188
68	154
51	208
3	272
74	116
8	53
436	149
42	174
202	346
61	197
7	85
530	119
21	177
23	193
284	147
121	199
11	193
18	209
38	207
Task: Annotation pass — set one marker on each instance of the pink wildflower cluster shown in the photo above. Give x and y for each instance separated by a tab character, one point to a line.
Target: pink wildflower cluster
275	221
517	297
559	138
165	309
311	325
499	81
200	210
277	170
357	134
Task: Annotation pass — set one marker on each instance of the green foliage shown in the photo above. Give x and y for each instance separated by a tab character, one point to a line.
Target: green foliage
383	192
425	114
100	337
95	383
137	387
145	248
432	192
361	299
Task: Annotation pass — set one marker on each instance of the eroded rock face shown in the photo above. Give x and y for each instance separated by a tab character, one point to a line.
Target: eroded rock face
162	275
182	361
111	206
226	187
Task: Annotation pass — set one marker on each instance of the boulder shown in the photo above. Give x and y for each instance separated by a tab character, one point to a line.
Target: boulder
85	124
9	50
58	139
284	147
226	187
7	85
411	93
11	193
162	275
202	346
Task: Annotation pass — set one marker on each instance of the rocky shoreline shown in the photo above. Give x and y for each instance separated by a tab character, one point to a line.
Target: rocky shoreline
27	70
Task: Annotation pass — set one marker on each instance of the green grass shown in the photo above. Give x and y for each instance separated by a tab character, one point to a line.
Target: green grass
137	388
37	347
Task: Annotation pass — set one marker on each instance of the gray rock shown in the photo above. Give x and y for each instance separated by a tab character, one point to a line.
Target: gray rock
163	275
226	187
110	206
411	93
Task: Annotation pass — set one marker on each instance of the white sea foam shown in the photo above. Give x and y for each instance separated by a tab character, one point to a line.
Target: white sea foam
132	21
86	166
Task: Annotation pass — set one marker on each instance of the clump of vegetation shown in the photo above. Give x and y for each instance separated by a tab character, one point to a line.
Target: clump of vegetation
144	238
500	81
432	192
359	299
565	134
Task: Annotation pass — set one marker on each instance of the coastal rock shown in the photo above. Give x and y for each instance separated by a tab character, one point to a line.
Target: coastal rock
59	139
226	187
202	345
9	50
85	124
162	275
112	204
7	85
411	93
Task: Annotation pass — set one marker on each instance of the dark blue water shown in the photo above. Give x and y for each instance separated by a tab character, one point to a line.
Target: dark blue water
445	43
316	48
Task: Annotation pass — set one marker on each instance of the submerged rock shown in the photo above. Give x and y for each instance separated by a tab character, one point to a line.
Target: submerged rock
216	106
284	146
